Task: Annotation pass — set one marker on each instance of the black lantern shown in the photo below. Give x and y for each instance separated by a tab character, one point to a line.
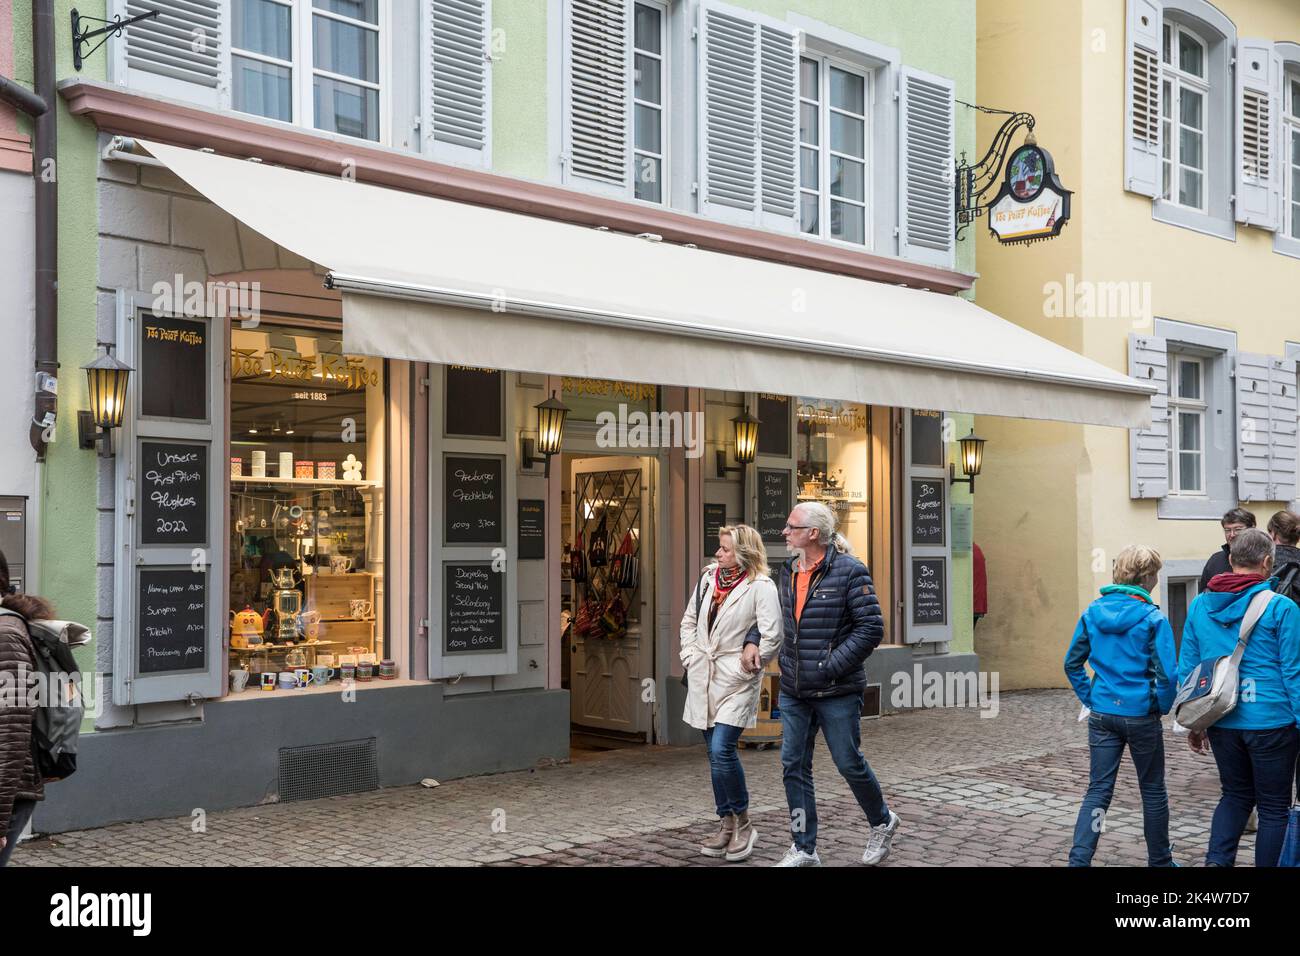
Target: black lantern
972	460
746	426
550	432
106	378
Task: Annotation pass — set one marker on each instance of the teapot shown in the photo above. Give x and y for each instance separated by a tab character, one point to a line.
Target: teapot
245	628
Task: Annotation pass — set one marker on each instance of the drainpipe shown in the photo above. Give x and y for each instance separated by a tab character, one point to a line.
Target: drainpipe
47	228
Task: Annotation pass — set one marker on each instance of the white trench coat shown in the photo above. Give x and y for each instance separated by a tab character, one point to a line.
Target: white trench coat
719	691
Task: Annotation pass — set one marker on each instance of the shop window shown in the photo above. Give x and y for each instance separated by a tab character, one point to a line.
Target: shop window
306	502
831	441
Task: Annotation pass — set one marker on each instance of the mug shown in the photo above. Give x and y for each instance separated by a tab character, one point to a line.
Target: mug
365	671
303	677
311	624
288	680
268	680
238	680
321	675
360	608
348	672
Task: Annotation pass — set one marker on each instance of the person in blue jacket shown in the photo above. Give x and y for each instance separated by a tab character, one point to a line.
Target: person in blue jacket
1256	743
1129	645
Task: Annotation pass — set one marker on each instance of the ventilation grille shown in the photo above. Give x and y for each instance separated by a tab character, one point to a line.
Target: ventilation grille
183	41
327	770
1256	154
1146	96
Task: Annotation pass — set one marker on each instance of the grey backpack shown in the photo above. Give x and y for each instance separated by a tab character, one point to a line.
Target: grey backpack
1210	691
59	704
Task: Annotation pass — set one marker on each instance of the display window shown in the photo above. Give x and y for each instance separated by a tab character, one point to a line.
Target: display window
306	528
831	455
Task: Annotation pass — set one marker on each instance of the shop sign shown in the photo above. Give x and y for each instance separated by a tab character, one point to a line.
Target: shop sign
1032	204
174	369
603	387
346	371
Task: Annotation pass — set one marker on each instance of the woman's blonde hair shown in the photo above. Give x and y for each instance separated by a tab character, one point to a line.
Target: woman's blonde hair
1137	564
747	544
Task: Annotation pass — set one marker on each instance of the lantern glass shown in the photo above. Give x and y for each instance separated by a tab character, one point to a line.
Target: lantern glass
106	378
550	425
972	454
746	437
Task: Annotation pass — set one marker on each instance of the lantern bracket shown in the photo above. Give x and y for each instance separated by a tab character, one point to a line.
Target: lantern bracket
88	435
954	480
723	470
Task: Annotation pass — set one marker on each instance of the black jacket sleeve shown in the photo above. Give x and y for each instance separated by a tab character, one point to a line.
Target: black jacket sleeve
868	624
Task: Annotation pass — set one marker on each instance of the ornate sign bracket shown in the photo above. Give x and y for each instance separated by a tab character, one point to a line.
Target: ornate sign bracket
974	182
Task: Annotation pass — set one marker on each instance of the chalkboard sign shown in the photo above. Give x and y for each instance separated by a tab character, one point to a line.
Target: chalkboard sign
532	528
715	516
774	503
774	432
927	438
927	511
929	591
173	620
173	368
474	402
473	608
474	499
173	493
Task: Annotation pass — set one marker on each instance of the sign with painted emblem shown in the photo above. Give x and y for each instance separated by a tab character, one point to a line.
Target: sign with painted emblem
1032	204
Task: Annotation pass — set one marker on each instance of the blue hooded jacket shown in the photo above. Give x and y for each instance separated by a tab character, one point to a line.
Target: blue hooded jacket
1130	647
1270	666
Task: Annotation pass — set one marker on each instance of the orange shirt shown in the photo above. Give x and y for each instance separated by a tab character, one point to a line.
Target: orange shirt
801	581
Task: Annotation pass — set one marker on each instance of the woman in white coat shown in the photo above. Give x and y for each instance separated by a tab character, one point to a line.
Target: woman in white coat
734	595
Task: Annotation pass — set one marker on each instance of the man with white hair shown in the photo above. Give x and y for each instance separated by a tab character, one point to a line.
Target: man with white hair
831	623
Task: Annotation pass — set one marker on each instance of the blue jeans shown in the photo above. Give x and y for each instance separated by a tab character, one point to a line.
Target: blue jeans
1256	769
22	812
1107	737
729	790
840	720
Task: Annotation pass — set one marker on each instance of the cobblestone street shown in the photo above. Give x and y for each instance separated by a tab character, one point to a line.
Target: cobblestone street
971	791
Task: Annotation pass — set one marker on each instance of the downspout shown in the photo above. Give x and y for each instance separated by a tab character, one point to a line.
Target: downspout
47	230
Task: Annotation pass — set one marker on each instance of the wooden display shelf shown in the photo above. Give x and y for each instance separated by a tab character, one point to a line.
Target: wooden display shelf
767	732
321	482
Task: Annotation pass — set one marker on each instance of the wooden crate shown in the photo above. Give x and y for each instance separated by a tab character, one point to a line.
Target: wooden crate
331	594
767	731
348	633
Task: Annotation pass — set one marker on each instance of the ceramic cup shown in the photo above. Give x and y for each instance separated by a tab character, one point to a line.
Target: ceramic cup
360	608
288	680
340	563
303	676
321	674
348	672
268	680
365	671
238	680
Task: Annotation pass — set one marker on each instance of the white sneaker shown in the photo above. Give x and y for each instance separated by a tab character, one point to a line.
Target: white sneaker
878	843
797	857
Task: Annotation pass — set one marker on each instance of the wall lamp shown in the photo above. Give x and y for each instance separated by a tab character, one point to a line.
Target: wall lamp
972	460
746	426
106	377
550	433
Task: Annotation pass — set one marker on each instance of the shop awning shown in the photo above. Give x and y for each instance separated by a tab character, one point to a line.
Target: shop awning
432	280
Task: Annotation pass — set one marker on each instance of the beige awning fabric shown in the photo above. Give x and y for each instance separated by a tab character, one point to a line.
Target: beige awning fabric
432	280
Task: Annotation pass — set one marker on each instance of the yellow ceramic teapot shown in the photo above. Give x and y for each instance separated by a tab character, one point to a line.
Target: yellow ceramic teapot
245	628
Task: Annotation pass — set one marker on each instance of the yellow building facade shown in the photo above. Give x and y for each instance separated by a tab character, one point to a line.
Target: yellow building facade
1171	121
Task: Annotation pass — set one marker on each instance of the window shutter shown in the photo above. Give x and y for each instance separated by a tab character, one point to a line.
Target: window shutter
1254	432
925	208
458	81
1282	412
1258	157
182	53
1148	448
1142	156
598	94
779	126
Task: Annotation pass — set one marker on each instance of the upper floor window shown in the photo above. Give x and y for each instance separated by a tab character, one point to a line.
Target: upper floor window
1187	417
289	57
833	150
1291	137
1185	91
650	84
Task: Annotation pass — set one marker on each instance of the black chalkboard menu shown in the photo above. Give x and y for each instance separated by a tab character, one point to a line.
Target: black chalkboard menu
532	528
927	438
474	499
774	503
473	608
172	489
928	511
173	368
474	400
715	516
774	432
929	593
173	620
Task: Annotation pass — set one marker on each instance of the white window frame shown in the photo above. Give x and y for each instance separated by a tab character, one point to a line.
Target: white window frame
824	153
303	71
1174	81
1290	152
665	92
1178	406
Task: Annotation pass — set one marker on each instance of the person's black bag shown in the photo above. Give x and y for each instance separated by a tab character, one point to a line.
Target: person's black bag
1288	581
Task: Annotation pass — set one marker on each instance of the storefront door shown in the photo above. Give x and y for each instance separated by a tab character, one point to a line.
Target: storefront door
612	658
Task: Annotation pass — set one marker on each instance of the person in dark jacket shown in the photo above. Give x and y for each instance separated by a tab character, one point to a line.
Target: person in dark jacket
20	785
1284	529
831	622
1233	522
1129	645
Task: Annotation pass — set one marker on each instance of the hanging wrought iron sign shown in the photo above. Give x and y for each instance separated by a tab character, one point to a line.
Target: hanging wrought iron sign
1032	204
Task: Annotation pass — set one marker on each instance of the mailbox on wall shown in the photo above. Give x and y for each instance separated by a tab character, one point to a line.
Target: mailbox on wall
13	538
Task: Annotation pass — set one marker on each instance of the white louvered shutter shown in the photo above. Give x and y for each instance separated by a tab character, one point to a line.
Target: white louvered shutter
749	120
926	142
457	81
1142	136
1282	412
1258	154
183	53
598	94
1148	448
1254	421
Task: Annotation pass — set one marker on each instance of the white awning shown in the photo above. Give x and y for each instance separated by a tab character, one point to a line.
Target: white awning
432	280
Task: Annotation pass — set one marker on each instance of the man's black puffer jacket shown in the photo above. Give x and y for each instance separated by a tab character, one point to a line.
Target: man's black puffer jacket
841	625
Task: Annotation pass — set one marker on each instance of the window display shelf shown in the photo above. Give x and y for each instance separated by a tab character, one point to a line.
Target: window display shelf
304	482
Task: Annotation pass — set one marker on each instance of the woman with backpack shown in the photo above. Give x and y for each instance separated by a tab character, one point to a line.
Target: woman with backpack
734	597
20	784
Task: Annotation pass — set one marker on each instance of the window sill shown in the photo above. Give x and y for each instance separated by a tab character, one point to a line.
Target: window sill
1175	215
1286	246
1191	508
